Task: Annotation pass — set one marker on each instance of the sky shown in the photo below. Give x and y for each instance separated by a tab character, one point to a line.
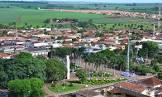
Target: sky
119	1
109	1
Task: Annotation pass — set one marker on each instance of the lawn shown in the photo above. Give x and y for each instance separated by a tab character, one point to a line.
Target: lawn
66	88
73	86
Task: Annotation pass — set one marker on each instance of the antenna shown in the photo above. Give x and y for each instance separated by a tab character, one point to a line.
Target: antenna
159	24
128	51
154	32
16	33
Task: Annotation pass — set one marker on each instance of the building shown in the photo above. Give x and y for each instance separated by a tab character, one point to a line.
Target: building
149	87
6	56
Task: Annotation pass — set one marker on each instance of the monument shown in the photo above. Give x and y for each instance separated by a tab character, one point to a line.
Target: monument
68	66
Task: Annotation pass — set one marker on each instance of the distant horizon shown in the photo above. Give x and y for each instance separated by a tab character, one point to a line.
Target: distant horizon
95	1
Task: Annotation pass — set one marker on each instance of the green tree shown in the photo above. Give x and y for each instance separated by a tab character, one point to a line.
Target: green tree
160	75
55	70
61	52
149	50
81	74
26	88
156	68
159	59
36	87
23	66
19	88
24	55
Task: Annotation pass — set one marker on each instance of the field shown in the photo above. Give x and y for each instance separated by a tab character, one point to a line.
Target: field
36	17
28	13
139	7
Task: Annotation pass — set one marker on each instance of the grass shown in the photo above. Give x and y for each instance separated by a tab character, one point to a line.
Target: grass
139	7
36	17
67	88
76	85
146	26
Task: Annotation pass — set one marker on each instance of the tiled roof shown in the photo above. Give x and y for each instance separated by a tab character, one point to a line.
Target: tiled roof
115	91
153	81
87	93
4	55
131	86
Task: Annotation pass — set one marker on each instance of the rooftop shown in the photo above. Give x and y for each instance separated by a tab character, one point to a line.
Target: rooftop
131	86
153	81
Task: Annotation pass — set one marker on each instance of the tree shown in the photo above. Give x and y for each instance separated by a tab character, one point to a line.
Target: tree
149	49
36	87
3	33
99	34
81	74
90	21
24	55
19	88
23	66
3	78
156	68
160	75
159	59
26	88
55	70
61	52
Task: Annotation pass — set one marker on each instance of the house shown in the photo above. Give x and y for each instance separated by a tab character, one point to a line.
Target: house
6	56
37	51
149	87
152	82
129	89
88	93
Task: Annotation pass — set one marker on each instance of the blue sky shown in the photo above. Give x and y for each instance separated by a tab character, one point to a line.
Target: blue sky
109	1
119	1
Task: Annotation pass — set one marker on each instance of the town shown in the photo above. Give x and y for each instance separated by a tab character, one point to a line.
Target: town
71	57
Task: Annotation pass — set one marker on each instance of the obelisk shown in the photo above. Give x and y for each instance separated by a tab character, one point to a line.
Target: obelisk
68	66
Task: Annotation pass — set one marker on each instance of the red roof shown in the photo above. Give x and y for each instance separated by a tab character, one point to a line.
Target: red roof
159	36
5	55
115	91
153	81
131	86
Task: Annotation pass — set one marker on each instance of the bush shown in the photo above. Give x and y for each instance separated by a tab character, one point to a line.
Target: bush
100	82
81	74
64	84
53	85
71	84
143	69
26	88
160	75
